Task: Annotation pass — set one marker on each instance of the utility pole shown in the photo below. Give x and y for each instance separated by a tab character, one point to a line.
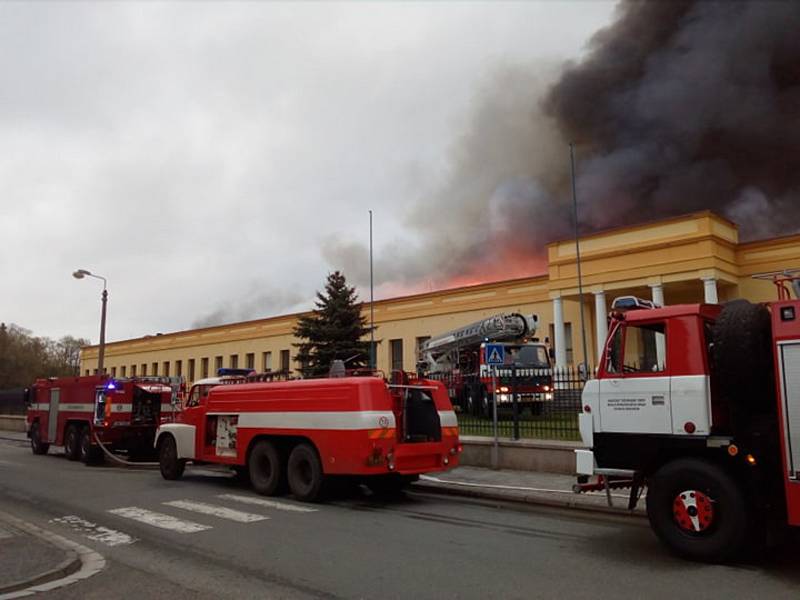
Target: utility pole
371	302
578	253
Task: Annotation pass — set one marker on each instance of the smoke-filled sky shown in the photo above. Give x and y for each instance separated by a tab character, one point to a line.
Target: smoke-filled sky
216	160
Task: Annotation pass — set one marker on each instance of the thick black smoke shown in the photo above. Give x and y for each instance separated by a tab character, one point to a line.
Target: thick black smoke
689	105
676	107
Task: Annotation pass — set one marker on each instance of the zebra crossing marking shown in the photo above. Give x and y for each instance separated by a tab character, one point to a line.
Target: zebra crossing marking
95	532
149	517
216	511
268	503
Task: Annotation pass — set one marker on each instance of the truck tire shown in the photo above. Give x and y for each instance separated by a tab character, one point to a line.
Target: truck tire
265	468
742	357
697	510
305	473
89	455
170	465
37	445
72	443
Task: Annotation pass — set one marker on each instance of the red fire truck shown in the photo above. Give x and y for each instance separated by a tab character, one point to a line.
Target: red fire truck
303	431
700	403
458	358
123	414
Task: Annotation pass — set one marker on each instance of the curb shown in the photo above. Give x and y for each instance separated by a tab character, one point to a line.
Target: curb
80	562
528	499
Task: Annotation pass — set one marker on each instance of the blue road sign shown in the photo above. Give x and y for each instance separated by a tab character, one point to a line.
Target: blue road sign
495	354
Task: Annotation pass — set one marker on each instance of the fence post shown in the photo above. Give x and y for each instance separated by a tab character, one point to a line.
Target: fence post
514	402
496	445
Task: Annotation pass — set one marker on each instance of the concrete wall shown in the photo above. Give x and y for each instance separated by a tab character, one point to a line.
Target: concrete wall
522	455
12	423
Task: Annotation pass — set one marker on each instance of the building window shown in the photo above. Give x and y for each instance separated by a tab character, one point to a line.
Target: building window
166	368
178	368
285	361
191	369
113	371
155	369
133	370
234	361
87	372
95	371
123	370
204	369
250	360
266	361
396	354
144	369
217	364
373	355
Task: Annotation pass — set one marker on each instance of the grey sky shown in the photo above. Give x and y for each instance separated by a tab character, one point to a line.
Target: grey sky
202	156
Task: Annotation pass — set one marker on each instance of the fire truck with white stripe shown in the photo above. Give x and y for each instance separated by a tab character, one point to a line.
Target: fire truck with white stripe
458	358
700	404
302	434
80	413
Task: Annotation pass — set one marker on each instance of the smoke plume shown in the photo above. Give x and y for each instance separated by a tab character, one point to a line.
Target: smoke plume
676	107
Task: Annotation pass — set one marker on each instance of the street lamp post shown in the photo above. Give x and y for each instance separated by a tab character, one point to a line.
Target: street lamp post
80	274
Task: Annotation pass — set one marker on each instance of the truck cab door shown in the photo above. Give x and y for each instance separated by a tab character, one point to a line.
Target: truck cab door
193	413
634	390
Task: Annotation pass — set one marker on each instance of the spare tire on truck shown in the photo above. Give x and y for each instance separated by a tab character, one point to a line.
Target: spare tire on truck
742	357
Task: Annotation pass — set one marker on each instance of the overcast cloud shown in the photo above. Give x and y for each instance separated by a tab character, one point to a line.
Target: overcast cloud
204	157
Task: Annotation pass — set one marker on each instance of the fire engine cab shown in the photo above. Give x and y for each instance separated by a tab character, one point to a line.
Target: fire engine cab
700	404
300	433
458	359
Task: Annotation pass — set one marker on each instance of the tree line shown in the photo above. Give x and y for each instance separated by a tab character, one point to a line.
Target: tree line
25	357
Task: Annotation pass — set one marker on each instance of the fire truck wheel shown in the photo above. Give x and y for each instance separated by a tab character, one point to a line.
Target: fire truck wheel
37	445
89	455
171	466
72	443
697	510
305	473
265	469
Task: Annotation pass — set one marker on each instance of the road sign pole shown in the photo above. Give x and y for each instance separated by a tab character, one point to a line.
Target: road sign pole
496	446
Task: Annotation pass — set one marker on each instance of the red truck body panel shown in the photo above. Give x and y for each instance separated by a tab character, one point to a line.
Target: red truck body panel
355	423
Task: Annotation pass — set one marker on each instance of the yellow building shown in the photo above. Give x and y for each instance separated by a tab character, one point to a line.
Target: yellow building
691	258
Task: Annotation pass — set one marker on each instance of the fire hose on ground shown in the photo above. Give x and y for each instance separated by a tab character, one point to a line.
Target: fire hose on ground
127	463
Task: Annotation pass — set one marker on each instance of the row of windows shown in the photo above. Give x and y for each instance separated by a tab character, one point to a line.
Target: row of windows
395	360
194	370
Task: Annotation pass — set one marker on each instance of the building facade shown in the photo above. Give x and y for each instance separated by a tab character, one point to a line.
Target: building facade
686	259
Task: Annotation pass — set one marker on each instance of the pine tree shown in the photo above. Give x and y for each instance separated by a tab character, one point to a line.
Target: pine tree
333	331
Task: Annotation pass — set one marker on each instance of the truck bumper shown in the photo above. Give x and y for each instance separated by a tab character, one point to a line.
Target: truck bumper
584	462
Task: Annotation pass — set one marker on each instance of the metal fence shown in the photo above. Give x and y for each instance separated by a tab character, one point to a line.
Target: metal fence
12	402
555	418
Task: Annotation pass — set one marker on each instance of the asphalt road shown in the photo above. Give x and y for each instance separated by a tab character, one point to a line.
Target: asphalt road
352	547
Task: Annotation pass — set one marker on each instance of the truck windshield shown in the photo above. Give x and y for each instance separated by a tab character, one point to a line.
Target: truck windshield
527	356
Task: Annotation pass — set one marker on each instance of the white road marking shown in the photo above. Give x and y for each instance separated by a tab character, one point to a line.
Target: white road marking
98	533
268	503
161	520
216	511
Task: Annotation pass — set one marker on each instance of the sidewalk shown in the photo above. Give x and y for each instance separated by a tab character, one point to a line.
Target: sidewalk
29	560
528	487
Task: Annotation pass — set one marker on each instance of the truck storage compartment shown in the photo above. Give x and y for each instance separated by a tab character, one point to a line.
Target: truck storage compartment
420	417
146	405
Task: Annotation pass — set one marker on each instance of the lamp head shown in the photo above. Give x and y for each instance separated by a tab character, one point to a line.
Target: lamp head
80	273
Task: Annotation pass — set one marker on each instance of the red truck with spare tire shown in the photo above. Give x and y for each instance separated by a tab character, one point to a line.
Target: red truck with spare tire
300	434
700	405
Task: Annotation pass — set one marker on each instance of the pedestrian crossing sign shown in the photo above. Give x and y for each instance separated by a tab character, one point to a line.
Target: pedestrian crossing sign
495	354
